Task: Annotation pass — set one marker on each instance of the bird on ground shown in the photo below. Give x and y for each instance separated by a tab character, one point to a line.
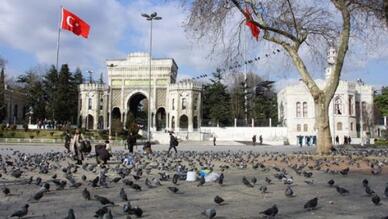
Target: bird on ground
175	179
86	194
116	179
16	173
289	192
21	212
103	200
6	191
210	213
100	212
123	195
201	181
309	182
218	200
376	199
221	179
331	182
84	178
254	180
311	204
386	190
136	187
70	214
369	191
268	180
271	212
365	182
263	189
173	189
246	182
38	195
136	211
342	190
345	171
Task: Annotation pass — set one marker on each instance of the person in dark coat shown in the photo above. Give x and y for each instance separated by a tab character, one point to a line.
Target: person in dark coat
67	141
337	139
214	140
102	153
173	143
254	140
75	147
260	139
131	141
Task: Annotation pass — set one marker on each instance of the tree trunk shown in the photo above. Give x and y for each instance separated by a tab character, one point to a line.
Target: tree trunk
324	140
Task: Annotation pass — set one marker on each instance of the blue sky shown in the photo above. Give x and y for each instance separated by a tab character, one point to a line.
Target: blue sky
28	34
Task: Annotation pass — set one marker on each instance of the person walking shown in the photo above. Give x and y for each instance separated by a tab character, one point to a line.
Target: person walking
254	140
337	139
67	140
173	143
214	140
76	147
131	141
260	139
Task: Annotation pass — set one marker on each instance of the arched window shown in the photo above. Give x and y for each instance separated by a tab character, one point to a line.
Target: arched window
338	106
298	128
195	103
304	109
298	113
173	104
184	103
339	126
90	103
305	127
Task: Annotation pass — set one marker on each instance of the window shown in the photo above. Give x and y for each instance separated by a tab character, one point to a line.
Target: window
338	106
101	107
101	100
363	108
184	103
195	103
339	126
351	126
90	103
173	104
350	105
298	109
304	109
305	127
298	128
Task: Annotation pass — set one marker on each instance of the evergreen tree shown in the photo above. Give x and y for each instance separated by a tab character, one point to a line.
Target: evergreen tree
381	102
66	100
216	102
2	101
50	82
78	77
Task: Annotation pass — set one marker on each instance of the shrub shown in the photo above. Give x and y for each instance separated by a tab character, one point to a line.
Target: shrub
51	134
37	132
31	136
12	134
13	127
25	127
3	127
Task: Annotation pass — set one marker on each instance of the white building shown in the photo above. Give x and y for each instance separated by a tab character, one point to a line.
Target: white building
174	106
296	109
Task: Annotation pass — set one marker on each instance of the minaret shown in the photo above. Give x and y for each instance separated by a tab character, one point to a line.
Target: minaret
331	57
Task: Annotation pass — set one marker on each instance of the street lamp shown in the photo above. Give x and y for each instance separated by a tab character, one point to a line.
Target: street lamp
360	84
151	17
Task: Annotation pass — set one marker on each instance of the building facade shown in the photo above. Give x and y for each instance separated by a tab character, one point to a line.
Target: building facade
296	109
174	105
16	106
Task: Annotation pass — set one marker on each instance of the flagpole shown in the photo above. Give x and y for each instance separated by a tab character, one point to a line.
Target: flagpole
59	35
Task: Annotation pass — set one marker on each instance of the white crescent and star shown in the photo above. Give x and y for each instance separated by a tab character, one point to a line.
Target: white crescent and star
69	23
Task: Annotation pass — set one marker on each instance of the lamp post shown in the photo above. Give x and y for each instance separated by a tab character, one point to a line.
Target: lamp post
360	84
151	17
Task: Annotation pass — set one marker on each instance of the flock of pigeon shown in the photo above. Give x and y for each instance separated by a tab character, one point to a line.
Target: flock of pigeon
54	172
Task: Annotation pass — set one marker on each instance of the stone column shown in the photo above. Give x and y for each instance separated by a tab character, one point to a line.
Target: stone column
253	122
385	121
270	122
235	122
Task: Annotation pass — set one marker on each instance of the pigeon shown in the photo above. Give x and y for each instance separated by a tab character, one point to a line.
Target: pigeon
70	214
289	192
376	199
21	212
201	181
218	200
246	182
221	179
16	173
103	200
100	212
386	190
6	191
116	179
345	171
210	213
268	180
311	204
127	207
369	191
341	190
331	182
271	212
365	182
123	195
263	189
254	180
83	177
136	211
38	195
136	187
86	194
175	179
108	215
173	189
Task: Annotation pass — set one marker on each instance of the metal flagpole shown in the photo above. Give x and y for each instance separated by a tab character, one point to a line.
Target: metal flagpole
59	34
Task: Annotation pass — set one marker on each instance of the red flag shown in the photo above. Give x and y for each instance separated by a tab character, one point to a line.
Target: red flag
254	29
73	23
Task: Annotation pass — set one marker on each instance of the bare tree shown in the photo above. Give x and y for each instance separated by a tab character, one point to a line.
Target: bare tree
294	25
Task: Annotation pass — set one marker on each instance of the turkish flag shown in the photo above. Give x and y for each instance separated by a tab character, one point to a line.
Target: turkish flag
254	29
73	23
